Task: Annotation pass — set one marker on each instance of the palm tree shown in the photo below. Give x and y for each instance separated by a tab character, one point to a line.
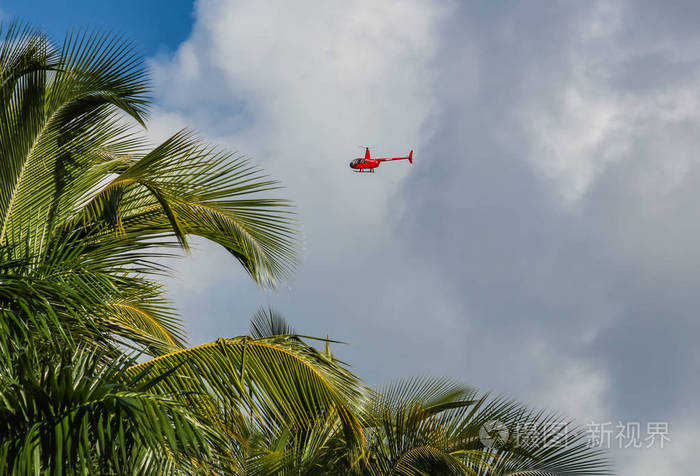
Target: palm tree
437	427
428	426
269	384
84	203
79	414
89	214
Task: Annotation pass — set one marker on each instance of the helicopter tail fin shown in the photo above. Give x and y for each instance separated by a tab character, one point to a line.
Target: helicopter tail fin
410	157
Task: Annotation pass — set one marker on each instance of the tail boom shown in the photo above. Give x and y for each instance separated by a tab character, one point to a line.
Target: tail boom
409	158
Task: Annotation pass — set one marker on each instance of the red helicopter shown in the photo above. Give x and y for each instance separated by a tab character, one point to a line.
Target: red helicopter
368	164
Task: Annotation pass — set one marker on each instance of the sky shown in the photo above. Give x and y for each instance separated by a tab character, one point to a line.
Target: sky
152	26
545	243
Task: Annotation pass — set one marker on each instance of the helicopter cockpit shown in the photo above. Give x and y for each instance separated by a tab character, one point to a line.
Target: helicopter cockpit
354	162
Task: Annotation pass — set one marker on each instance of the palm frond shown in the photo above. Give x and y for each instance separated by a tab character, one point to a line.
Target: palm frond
277	381
85	204
434	426
269	323
80	415
184	187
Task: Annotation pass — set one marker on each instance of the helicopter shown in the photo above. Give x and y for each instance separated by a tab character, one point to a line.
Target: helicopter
368	164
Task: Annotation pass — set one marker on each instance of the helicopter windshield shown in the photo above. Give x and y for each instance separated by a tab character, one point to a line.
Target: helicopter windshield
354	162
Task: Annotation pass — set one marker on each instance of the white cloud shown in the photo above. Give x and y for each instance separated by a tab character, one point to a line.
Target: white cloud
569	385
572	150
299	86
591	121
300	91
678	456
582	127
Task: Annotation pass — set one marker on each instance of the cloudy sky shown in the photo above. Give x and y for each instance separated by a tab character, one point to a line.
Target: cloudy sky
545	244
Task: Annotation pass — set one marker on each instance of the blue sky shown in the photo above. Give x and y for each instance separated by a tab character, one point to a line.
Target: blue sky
545	242
154	26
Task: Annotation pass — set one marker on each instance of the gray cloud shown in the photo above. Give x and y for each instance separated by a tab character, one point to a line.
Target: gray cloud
545	242
591	242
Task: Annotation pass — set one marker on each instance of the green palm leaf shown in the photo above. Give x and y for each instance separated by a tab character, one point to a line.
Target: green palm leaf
76	176
432	426
80	415
278	381
89	214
